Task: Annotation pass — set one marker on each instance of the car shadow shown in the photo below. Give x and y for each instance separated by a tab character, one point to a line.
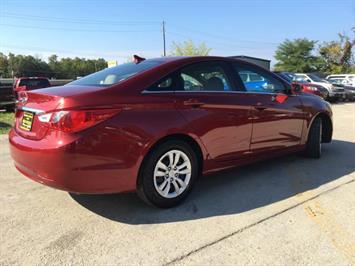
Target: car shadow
234	191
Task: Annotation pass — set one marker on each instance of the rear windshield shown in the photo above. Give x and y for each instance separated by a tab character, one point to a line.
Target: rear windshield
34	83
113	75
285	75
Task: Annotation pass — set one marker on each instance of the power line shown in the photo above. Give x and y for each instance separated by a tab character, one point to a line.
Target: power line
216	36
222	44
41	49
78	20
70	29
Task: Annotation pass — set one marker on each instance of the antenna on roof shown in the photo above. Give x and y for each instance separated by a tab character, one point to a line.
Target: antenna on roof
137	59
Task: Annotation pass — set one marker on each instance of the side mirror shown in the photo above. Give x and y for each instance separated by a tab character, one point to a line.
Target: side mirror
21	88
296	88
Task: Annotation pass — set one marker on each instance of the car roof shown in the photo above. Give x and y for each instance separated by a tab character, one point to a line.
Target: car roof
194	59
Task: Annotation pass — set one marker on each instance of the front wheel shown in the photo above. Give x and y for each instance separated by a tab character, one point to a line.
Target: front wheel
167	174
314	141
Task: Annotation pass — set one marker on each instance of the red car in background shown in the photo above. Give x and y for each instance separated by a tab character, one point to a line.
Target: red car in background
306	87
155	125
314	89
30	83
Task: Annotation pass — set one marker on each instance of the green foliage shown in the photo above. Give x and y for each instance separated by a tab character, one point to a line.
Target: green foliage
3	65
296	56
74	67
333	57
6	121
188	48
65	68
337	55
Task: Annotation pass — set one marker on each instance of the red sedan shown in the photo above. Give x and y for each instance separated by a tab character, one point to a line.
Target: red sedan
155	125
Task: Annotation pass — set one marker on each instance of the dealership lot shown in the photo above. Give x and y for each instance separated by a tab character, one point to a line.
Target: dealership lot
288	210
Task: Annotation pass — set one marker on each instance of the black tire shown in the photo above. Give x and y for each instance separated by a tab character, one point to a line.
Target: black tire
314	141
145	186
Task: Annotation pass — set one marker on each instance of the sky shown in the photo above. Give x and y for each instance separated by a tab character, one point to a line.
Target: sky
115	30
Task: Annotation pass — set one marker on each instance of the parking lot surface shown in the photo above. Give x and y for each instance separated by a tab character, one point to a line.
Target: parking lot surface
288	210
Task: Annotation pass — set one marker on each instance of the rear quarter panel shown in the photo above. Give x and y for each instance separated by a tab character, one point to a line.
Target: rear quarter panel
128	137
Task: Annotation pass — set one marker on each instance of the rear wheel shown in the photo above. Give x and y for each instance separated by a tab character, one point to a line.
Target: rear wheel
314	141
167	174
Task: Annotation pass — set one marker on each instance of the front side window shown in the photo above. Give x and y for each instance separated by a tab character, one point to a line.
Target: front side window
255	80
114	75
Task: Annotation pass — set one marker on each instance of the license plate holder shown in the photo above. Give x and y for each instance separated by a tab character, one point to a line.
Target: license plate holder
27	121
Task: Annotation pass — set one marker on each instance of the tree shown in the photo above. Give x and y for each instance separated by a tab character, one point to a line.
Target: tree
65	68
4	64
21	65
73	67
337	55
188	48
296	56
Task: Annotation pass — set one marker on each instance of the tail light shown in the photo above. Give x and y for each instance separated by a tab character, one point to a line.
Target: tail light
74	121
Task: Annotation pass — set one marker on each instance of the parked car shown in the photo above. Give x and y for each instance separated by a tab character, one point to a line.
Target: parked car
141	127
7	99
344	79
30	83
349	91
253	81
306	87
334	94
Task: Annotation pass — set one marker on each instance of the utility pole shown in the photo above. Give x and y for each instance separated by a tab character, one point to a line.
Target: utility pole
164	45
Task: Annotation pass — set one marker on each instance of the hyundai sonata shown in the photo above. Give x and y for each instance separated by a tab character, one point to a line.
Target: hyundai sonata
153	126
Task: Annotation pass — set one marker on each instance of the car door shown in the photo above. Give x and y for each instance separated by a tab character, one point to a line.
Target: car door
277	116
207	98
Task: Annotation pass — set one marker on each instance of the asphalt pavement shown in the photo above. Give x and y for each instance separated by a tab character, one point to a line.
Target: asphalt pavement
285	211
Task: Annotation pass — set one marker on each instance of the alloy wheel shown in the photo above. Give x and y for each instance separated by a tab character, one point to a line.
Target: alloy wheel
172	174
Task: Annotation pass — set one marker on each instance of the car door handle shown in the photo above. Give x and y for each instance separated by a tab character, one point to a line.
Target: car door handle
259	106
193	103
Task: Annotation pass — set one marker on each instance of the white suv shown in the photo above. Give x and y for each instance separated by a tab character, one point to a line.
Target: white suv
343	79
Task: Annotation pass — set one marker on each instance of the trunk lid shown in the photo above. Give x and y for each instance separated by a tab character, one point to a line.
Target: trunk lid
33	104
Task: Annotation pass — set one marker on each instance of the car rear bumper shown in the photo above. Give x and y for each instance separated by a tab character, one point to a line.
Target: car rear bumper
337	95
72	165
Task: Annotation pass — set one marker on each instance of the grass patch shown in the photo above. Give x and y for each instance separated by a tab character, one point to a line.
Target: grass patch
6	121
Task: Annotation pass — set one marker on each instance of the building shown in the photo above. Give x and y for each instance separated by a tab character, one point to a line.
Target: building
265	63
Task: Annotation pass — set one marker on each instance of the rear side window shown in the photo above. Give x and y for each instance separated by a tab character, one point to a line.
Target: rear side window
256	80
114	75
206	76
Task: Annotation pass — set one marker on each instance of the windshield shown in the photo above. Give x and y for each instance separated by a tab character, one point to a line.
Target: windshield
35	83
113	75
316	78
